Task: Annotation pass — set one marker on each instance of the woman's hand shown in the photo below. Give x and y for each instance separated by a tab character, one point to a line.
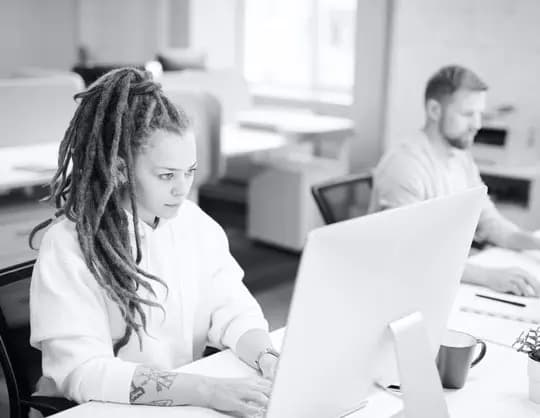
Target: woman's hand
242	397
268	365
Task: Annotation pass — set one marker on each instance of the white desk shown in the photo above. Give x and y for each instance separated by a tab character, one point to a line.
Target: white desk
327	133
282	154
498	385
497	388
294	122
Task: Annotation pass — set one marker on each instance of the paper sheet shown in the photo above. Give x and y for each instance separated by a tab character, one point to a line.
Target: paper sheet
489	328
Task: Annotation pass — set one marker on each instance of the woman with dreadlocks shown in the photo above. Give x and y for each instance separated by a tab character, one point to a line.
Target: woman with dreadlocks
134	280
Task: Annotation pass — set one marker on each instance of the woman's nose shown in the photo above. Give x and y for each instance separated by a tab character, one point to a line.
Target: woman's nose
180	187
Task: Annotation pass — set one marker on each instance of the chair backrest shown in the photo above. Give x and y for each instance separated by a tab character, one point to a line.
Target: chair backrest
343	197
20	362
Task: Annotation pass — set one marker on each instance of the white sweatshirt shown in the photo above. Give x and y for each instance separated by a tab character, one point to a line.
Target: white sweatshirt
75	324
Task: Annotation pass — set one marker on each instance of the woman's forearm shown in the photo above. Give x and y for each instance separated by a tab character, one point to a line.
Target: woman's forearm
164	388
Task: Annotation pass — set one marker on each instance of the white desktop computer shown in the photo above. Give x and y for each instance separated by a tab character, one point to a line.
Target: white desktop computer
369	291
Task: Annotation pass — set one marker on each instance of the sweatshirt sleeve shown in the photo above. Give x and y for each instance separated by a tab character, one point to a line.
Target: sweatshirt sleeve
234	309
69	324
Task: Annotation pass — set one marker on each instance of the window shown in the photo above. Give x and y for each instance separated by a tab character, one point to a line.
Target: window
305	46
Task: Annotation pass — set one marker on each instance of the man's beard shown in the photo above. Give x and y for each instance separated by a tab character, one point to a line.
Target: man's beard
461	142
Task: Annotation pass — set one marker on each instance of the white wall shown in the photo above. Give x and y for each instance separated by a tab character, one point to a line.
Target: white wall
373	23
46	33
179	23
37	33
499	39
215	27
123	31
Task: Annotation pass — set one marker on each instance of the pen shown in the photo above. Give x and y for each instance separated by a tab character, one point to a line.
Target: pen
510	302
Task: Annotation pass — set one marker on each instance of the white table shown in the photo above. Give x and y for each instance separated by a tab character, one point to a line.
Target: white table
498	385
292	121
326	133
282	154
497	388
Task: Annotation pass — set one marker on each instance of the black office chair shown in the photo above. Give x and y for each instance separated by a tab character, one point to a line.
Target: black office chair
343	197
21	364
347	197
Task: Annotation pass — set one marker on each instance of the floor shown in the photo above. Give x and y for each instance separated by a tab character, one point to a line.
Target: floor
275	303
269	271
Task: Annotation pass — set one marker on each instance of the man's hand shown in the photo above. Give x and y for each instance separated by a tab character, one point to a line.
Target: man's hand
512	280
245	397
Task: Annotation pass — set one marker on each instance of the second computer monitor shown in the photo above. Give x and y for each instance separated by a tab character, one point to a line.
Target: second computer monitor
355	279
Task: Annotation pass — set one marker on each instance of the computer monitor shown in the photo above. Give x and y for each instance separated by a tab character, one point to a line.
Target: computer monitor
362	288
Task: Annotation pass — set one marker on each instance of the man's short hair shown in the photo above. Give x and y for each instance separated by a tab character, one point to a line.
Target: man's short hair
449	79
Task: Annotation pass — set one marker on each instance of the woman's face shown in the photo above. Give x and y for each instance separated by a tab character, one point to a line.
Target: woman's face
164	171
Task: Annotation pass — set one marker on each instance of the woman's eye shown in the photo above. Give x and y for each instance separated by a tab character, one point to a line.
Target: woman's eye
191	172
166	176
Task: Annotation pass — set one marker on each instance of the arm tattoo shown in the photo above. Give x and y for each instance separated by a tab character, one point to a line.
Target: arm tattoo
148	381
135	393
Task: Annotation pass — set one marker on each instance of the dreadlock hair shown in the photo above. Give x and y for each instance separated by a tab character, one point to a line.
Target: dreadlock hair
115	116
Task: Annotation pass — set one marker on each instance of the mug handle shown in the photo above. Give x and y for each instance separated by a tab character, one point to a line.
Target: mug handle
481	354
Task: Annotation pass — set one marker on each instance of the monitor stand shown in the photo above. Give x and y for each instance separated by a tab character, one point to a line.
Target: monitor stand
421	386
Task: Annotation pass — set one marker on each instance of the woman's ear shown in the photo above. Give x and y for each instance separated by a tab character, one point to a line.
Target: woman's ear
433	109
121	171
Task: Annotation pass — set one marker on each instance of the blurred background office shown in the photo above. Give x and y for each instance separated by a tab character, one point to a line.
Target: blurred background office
284	95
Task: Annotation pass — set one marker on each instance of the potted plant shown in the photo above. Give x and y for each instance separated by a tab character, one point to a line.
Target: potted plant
529	342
